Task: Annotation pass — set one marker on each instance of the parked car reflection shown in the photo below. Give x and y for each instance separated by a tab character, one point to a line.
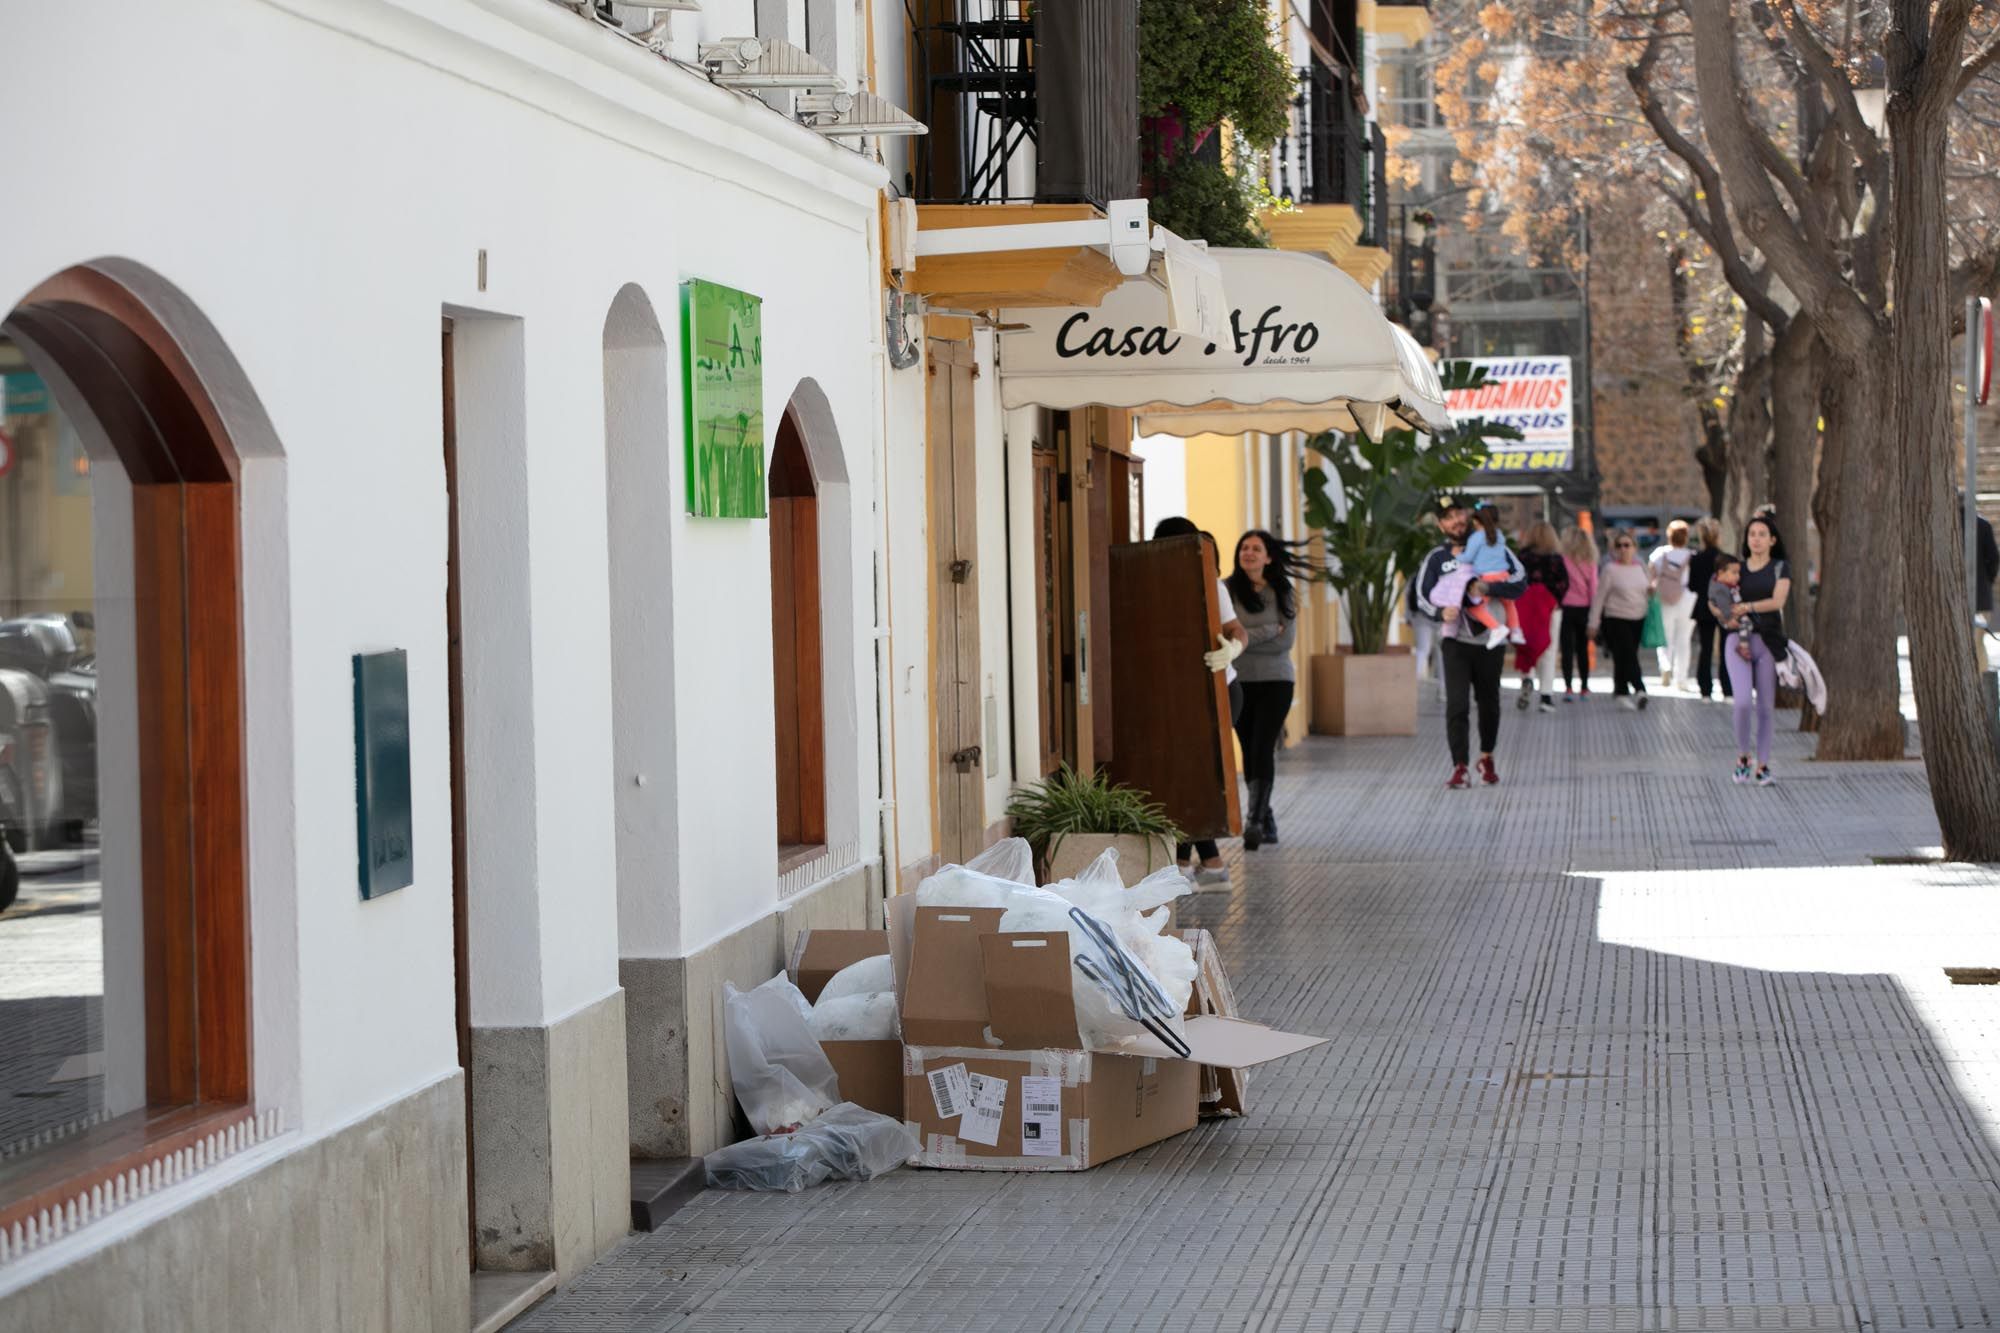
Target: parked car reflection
48	731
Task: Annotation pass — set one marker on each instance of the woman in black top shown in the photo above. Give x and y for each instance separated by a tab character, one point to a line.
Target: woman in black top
1761	593
1700	570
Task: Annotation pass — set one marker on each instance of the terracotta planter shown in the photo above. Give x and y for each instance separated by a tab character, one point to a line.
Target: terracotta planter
1137	857
1372	694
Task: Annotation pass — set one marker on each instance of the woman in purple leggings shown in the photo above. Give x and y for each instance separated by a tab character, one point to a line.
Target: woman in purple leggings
1753	672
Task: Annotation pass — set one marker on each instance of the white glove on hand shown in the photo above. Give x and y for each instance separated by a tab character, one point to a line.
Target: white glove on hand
1218	659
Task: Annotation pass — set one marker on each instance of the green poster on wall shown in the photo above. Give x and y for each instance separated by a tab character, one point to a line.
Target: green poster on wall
722	346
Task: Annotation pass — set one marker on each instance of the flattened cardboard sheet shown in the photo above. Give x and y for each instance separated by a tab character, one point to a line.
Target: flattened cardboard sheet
818	954
944	1003
1229	1043
1028	997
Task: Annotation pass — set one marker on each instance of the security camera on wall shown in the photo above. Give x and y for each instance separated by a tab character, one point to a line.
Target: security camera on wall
1131	237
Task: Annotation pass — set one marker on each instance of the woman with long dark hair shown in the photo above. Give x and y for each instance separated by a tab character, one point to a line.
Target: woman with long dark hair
1756	618
1267	607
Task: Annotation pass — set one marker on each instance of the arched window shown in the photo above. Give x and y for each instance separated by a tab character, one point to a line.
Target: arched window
124	948
795	646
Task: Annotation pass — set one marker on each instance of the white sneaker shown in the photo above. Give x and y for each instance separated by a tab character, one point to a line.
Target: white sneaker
1625	702
1212	875
1496	636
1517	638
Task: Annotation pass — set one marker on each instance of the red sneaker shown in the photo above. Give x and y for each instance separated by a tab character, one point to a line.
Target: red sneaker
1459	780
1487	773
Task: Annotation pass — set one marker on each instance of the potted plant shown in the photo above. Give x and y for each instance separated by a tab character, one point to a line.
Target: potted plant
1069	818
1204	64
1422	221
1370	510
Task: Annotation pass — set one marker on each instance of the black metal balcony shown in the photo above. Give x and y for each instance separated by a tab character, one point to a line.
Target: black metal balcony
1334	155
1008	82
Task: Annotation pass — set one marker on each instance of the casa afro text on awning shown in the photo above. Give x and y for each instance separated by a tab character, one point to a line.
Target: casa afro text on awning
1307	349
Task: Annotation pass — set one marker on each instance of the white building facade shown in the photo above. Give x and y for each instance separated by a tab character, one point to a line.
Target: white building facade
362	321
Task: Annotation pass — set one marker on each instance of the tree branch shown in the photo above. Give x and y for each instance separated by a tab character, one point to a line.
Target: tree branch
1867	145
1805	262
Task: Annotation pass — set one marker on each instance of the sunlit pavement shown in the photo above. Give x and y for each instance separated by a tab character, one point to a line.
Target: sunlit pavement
1615	1045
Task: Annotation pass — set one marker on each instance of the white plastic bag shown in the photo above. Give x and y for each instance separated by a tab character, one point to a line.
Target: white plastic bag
1010	859
781	1076
866	977
1140	917
857	1018
1117	997
846	1143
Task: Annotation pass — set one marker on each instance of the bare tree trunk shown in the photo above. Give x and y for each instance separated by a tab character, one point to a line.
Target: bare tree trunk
1961	750
1797	382
1749	479
1860	574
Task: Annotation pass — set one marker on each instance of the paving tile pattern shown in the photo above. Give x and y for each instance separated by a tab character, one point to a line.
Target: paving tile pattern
1616	1045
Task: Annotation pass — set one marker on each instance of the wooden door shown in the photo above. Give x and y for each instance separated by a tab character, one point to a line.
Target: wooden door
1172	736
954	548
1049	674
798	689
461	932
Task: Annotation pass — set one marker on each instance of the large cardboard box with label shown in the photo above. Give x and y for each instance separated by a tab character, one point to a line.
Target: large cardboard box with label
994	1074
870	1072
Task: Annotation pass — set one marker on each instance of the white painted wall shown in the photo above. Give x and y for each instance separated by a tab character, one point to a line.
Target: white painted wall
995	658
1164	481
318	178
907	501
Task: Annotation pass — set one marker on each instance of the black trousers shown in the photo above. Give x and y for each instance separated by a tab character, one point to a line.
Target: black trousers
1259	725
1472	670
1622	638
1575	636
1205	847
1706	675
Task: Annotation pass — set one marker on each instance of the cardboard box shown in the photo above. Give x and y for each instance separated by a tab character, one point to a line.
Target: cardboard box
995	1077
870	1072
1222	1090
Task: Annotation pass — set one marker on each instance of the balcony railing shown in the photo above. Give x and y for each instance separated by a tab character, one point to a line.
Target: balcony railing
1027	103
1334	154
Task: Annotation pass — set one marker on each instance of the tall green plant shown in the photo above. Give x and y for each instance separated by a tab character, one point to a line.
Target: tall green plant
1215	60
1375	534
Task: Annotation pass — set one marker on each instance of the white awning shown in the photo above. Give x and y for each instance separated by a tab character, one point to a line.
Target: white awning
1310	350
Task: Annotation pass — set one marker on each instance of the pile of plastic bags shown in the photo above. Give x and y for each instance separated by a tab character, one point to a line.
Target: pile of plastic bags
859	1003
792	1097
1133	979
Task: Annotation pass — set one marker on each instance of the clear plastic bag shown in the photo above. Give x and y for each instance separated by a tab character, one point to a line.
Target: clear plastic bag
781	1076
857	1018
1117	997
866	977
1010	859
846	1143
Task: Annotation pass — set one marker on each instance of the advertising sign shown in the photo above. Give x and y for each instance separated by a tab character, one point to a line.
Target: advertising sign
1533	395
722	350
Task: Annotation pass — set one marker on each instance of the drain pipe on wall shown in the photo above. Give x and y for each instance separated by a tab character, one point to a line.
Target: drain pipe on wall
896	350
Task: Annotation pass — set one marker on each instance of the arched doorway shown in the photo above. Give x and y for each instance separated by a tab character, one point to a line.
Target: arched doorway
121	747
796	650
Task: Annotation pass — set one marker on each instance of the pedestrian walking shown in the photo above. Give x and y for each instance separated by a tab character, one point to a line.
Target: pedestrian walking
1669	566
1267	607
1987	568
1541	614
1454	523
1618	610
1701	570
1579	553
1761	591
1201	859
1472	667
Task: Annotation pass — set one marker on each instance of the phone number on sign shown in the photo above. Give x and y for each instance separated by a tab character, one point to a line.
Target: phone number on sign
1527	460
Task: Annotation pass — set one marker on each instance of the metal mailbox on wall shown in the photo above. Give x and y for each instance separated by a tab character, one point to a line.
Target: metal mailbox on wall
383	822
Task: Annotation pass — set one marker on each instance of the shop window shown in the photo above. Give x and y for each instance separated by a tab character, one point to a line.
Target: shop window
124	1005
798	680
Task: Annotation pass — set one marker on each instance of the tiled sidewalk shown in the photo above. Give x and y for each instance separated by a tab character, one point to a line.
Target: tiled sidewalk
1616	1045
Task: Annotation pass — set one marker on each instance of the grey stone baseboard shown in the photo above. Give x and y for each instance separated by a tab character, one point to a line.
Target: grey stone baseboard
363	1230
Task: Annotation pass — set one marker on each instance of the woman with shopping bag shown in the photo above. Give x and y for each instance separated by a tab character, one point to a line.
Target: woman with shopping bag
1669	562
1619	611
